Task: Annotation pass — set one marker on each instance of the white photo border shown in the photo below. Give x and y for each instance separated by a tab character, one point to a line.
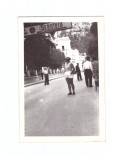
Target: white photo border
100	21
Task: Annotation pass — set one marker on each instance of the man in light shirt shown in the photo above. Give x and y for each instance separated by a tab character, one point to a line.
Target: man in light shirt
87	67
46	74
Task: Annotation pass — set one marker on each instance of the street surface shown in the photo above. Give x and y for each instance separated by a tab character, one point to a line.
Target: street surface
49	111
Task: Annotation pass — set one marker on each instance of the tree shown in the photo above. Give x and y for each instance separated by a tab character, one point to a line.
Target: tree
94	29
40	51
36	51
81	42
86	40
93	47
57	58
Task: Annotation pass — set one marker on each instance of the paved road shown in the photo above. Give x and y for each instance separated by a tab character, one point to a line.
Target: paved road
49	111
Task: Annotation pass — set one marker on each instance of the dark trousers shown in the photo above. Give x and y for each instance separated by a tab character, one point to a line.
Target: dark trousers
88	77
46	79
79	77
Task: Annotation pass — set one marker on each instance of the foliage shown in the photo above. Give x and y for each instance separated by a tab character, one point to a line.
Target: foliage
81	42
39	51
93	47
84	37
94	29
57	58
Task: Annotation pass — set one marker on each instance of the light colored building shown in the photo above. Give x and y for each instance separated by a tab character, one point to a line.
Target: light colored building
64	45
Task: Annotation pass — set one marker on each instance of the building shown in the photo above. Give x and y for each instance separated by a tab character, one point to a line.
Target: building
64	45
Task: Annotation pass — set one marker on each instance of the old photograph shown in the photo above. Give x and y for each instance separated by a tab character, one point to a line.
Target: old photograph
61	85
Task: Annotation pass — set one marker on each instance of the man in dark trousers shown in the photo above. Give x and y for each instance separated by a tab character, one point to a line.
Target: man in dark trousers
79	77
87	67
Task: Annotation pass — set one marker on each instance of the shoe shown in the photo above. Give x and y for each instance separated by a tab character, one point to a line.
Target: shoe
90	86
73	93
69	93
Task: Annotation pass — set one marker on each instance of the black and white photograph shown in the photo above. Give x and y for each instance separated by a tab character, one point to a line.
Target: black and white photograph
61	88
56	80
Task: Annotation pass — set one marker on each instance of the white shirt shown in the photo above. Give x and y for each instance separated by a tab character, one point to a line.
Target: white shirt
68	70
45	70
87	65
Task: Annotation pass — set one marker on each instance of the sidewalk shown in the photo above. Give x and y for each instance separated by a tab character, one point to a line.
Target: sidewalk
28	81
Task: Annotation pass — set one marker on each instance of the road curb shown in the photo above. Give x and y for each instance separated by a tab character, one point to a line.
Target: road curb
27	85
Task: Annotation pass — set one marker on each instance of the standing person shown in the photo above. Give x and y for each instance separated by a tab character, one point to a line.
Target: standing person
69	73
46	74
87	67
79	77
